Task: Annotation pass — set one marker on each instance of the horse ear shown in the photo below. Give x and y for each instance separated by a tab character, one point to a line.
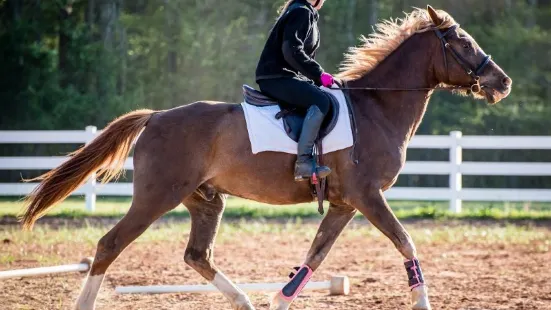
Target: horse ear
436	19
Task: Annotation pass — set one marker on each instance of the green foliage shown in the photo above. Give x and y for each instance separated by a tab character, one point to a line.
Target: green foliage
120	56
237	208
70	63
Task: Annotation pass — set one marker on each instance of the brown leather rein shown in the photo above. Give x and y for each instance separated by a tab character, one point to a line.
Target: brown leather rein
448	88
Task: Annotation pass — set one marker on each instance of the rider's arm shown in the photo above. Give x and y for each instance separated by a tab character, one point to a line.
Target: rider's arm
297	28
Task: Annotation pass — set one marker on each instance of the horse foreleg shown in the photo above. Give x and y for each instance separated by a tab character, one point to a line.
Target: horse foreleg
330	228
205	220
376	209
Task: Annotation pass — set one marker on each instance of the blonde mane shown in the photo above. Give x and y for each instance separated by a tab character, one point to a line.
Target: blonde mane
388	36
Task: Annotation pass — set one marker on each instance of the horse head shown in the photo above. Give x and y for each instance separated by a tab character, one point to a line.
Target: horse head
463	62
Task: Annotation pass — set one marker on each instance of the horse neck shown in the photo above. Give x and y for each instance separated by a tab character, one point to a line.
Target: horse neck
409	66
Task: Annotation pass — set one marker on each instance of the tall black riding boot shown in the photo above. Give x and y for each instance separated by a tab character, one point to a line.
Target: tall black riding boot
305	164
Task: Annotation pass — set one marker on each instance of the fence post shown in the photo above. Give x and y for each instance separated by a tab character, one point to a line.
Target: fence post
90	187
456	179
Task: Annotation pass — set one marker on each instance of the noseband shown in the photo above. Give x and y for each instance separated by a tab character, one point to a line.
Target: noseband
474	73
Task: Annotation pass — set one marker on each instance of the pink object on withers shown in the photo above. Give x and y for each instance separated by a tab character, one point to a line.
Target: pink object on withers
300	286
327	79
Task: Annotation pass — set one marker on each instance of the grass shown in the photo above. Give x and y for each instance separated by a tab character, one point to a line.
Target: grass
175	231
240	208
64	236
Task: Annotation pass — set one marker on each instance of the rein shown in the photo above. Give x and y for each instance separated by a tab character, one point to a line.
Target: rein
448	88
446	46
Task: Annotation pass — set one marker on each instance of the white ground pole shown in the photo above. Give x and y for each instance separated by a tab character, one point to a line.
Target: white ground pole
339	285
83	266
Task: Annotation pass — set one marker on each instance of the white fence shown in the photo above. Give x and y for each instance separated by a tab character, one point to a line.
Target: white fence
455	167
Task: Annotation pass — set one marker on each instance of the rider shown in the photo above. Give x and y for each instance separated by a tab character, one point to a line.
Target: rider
288	72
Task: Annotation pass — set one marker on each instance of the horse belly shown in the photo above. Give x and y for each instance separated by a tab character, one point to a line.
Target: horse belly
263	181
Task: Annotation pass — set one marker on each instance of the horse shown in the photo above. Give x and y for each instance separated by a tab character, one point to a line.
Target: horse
198	154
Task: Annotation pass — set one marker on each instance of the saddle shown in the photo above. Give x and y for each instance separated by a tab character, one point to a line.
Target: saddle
293	117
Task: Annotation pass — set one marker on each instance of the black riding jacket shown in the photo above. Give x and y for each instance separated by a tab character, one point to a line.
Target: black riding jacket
291	45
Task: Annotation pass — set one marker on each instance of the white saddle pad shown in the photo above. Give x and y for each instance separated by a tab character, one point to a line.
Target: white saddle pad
267	133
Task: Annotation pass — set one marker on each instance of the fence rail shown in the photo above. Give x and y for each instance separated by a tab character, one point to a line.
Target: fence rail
455	168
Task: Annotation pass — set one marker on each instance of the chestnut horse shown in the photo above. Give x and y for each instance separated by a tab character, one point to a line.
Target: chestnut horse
198	153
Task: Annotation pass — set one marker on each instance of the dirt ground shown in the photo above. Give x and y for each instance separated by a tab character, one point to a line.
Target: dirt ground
463	275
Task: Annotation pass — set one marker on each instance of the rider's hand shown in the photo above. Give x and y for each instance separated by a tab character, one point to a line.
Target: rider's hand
327	79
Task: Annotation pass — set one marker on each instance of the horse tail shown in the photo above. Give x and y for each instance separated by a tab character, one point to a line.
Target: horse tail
105	155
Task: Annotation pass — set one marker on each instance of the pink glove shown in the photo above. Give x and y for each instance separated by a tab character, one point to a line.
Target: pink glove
327	79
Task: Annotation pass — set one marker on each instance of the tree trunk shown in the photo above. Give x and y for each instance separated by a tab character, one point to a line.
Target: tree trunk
104	12
401	6
352	6
508	5
374	12
90	16
171	35
531	22
107	19
64	66
107	77
123	50
263	14
14	8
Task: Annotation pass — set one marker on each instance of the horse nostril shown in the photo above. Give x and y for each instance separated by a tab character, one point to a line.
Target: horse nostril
506	81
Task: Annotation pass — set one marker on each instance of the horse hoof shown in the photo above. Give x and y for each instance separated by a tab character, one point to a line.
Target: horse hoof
243	304
84	307
248	306
419	298
279	303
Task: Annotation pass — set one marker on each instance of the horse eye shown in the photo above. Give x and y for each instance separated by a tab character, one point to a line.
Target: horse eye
467	45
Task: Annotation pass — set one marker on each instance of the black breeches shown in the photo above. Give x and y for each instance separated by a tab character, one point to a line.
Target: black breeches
295	93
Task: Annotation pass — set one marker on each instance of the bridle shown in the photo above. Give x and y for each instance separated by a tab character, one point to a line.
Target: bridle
473	73
475	87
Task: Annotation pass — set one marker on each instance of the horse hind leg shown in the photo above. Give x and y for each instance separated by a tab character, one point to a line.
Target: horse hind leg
205	220
147	206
